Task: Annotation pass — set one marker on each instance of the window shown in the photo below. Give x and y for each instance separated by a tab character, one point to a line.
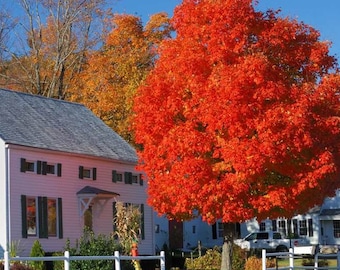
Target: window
27	166
282	227
295	227
336	227
214	231
310	227
44	168
41	216
134	179
88	173
289	228
50	169
117	176
40	167
262	236
303	227
277	235
52	217
262	226
137	178
274	225
220	229
251	237
30	166
31	216
129	177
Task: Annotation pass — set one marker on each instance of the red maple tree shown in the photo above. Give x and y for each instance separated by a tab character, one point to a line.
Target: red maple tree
240	117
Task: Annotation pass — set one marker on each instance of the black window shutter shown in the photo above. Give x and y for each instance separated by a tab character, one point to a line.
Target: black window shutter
142	227
81	172
126	178
38	167
59	169
22	165
43	168
130	178
94	174
45	217
42	214
141	182
23	217
114	176
60	218
214	231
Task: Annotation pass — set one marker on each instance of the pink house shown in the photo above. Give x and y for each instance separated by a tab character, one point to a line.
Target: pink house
62	168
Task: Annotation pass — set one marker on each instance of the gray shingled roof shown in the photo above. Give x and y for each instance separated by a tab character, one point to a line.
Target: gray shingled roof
47	123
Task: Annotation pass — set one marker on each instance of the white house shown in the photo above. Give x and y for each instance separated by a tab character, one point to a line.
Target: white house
62	168
320	225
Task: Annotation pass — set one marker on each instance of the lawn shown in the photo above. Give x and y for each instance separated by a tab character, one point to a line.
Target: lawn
307	262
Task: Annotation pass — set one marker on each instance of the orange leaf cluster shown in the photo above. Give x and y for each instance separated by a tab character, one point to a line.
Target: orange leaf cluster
111	75
240	117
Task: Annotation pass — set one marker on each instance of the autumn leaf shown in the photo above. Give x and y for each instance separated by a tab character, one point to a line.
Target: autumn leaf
108	83
240	116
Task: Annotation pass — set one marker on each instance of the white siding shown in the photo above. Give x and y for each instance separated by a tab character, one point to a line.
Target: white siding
2	198
162	235
66	187
203	233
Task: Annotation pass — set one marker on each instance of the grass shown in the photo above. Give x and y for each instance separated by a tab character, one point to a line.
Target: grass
307	262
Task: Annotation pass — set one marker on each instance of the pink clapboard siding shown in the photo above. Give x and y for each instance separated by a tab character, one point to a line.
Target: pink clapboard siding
66	187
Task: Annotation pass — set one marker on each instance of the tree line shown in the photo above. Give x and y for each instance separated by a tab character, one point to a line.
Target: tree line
79	50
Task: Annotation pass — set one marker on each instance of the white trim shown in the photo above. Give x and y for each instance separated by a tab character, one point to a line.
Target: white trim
330	217
85	201
7	205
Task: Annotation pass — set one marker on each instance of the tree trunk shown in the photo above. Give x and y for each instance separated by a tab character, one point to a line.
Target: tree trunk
227	249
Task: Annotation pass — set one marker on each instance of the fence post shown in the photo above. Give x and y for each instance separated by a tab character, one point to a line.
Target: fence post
117	260
6	258
291	259
264	259
162	260
67	260
316	261
338	259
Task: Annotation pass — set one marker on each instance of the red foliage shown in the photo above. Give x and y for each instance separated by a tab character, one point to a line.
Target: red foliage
240	117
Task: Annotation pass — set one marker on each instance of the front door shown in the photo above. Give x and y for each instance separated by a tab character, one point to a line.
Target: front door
175	234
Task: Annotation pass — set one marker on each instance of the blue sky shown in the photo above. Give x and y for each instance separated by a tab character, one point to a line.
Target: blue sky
322	15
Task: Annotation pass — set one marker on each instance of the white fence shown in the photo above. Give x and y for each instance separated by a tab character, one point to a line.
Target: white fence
292	256
67	259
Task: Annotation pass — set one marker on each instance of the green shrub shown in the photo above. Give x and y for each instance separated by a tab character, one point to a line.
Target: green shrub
91	245
37	251
211	260
58	265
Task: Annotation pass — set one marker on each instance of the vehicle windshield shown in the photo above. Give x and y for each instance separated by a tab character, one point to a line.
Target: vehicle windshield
250	237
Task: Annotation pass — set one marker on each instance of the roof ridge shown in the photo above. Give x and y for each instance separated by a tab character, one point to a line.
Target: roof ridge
43	97
53	124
